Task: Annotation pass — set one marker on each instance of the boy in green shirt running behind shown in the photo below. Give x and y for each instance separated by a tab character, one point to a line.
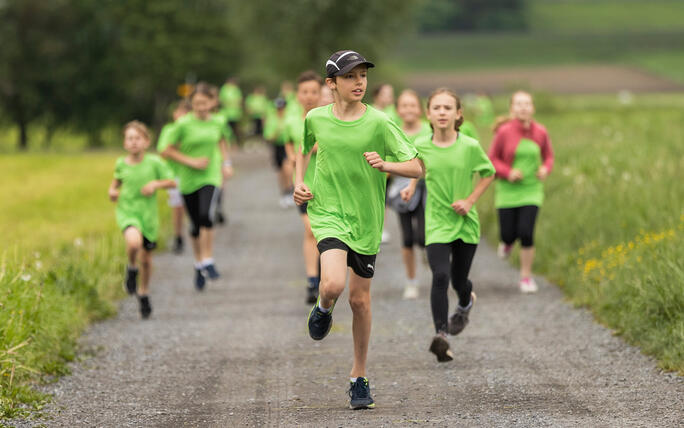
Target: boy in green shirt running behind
357	146
137	177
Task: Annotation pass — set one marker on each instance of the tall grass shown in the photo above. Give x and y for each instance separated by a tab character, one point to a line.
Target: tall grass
611	229
60	266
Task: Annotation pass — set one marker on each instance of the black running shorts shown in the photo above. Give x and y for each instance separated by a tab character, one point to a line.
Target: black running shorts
363	265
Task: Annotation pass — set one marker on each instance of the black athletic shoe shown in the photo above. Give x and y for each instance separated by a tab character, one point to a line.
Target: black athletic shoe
319	322
211	271
220	218
178	245
311	295
145	308
131	283
359	394
200	281
459	320
440	347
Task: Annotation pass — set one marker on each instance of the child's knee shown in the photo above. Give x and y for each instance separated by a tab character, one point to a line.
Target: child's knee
359	302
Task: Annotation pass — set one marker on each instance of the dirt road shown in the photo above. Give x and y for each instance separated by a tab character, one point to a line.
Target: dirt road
238	354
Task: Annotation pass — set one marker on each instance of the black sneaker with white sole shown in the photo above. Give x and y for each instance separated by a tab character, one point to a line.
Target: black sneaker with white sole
359	394
440	347
131	282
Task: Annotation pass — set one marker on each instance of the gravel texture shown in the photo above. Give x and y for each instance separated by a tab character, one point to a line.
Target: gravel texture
239	354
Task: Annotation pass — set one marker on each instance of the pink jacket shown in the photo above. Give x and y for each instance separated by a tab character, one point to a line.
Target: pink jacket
506	139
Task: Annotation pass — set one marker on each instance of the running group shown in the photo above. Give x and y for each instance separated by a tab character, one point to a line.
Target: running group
335	156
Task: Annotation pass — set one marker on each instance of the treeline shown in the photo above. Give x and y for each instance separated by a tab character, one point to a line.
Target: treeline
436	16
85	65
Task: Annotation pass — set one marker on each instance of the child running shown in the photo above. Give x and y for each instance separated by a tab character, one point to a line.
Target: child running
452	227
522	154
274	133
412	212
137	176
200	146
175	198
256	105
308	96
230	96
357	146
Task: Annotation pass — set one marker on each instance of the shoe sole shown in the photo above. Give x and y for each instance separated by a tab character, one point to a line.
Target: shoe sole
440	347
362	406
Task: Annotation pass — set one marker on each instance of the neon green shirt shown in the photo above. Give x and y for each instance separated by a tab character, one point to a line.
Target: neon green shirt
132	208
449	178
485	116
391	111
349	195
230	97
294	129
163	142
199	138
274	129
529	190
257	105
468	128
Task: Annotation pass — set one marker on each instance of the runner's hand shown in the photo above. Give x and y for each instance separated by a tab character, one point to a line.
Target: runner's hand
200	163
462	207
302	194
407	193
375	161
227	171
149	189
113	194
515	175
542	173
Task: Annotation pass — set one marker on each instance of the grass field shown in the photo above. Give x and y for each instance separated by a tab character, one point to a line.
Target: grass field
563	32
612	224
60	268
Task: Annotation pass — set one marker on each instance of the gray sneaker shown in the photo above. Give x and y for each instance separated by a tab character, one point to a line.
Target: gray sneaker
459	320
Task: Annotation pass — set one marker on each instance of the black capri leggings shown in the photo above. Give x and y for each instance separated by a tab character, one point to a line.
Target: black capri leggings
518	223
449	261
201	207
413	226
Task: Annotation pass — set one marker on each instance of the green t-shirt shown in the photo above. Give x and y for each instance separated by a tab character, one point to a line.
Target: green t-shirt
294	129
485	109
468	128
529	190
349	195
132	208
449	178
391	111
199	138
274	128
257	105
163	142
230	97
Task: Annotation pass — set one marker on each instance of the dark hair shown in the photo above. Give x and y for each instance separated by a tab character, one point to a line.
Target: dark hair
308	76
202	88
451	93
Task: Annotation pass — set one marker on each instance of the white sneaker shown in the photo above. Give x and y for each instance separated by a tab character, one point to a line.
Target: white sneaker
385	237
504	251
528	285
284	204
410	292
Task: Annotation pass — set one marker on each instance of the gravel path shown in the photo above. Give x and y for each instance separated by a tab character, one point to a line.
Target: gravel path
239	354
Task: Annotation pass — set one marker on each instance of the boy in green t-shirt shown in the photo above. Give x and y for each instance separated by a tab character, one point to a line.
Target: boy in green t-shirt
256	105
230	97
274	132
137	177
357	146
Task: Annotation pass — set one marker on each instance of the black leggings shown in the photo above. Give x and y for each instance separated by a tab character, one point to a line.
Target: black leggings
518	223
201	207
449	261
413	226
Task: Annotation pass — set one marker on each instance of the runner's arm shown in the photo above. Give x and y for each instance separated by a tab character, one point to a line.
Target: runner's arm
227	164
463	206
154	185
413	168
172	153
114	190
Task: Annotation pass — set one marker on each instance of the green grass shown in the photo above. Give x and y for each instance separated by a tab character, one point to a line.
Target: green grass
622	32
60	269
612	224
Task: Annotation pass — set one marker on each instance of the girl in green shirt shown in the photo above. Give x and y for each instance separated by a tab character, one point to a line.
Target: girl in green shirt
137	177
200	146
452	227
357	146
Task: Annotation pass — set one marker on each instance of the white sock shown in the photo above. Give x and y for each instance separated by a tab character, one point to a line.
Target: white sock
412	282
198	265
322	309
353	379
207	262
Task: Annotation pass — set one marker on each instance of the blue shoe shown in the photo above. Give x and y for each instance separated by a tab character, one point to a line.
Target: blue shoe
200	281
319	322
359	394
212	272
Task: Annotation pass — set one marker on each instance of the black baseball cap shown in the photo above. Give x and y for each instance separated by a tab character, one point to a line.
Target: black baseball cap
280	103
342	62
